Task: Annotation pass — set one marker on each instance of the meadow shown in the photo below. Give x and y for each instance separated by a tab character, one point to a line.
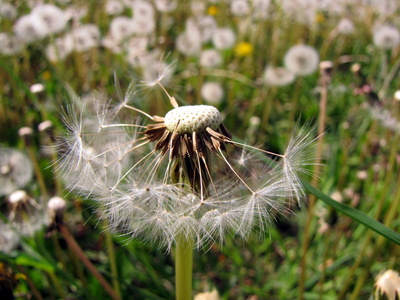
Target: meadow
291	191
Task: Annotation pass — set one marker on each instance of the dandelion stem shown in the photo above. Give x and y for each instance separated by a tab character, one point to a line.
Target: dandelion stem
31	284
312	199
183	268
113	263
79	252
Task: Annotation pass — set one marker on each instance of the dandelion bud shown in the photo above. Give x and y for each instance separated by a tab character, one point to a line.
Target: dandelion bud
17	197
213	295
56	206
388	283
326	67
355	68
397	95
36	88
26	215
45	126
26	134
337	196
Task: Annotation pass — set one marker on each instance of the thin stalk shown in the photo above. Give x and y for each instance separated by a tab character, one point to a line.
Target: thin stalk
183	268
296	100
38	172
113	263
367	240
32	286
79	252
57	284
317	169
389	217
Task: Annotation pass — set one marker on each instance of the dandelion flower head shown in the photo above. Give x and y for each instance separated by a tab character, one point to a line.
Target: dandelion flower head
301	60
178	175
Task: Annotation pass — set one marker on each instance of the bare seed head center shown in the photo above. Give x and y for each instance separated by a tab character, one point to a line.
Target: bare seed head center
192	118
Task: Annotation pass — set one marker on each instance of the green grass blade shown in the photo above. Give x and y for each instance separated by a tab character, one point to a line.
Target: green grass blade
354	214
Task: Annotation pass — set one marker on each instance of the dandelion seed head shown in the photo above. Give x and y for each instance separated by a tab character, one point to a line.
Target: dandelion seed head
30	28
10	44
177	175
16	170
52	16
192	118
9	238
223	38
301	60
388	283
386	37
345	26
277	76
114	7
85	37
240	8
165	5
212	92
25	214
210	58
8	11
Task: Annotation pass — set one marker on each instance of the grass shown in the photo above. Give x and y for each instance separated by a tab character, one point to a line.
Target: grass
349	242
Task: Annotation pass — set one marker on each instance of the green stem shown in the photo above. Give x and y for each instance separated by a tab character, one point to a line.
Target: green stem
183	268
113	263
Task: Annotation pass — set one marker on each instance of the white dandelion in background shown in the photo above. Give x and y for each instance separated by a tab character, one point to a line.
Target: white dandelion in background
25	215
210	58
301	60
10	44
223	38
277	76
345	26
8	11
386	37
189	42
16	170
212	92
179	176
52	16
85	37
240	8
30	28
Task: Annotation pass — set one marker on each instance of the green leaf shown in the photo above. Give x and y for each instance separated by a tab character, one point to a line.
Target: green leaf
25	260
354	214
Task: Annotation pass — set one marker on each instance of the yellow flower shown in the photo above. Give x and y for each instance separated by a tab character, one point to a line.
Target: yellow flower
46	75
243	49
212	10
319	18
